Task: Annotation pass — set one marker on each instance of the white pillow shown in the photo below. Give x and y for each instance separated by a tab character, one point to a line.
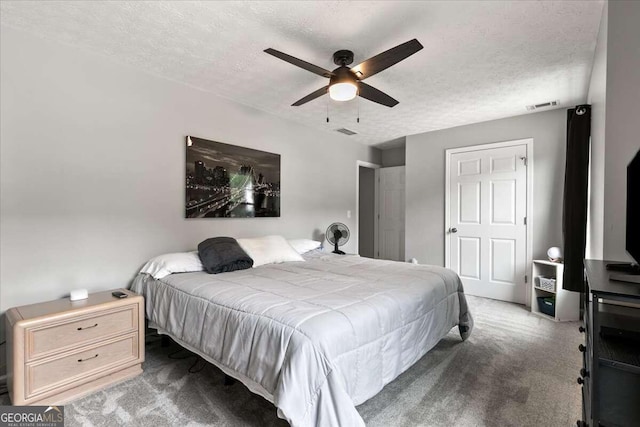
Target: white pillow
180	262
269	250
304	245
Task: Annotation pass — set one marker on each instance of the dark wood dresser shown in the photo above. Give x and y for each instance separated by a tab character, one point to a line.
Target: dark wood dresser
610	376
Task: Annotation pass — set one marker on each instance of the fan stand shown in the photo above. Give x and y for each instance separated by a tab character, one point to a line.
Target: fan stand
337	235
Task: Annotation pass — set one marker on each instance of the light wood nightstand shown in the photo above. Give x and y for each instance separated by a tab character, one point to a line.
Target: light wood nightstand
61	350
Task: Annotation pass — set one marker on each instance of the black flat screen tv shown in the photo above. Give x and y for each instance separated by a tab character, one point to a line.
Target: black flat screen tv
633	208
630	272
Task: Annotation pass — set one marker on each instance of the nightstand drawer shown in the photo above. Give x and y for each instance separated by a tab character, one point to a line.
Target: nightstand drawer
49	339
81	366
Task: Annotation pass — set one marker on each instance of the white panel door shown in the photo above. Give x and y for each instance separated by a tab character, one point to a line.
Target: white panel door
487	234
391	209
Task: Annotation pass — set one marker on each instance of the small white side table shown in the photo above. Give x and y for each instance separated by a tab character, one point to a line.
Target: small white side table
567	303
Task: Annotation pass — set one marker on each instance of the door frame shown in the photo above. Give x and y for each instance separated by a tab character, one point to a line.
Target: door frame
375	208
528	142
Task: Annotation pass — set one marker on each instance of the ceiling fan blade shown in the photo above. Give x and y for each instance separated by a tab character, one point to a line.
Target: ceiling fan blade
299	63
375	95
311	96
386	59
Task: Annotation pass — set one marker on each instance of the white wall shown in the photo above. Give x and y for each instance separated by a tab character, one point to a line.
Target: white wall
597	98
622	132
93	164
394	157
425	156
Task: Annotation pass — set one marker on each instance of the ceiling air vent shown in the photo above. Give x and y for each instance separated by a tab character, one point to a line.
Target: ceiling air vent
346	131
543	105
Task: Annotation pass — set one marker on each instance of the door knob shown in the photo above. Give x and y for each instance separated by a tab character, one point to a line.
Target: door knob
453	230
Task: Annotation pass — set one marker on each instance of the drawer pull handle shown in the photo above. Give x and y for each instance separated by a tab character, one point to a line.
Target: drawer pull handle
87	327
88	358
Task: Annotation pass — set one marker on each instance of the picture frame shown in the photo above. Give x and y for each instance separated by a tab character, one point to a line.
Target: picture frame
229	181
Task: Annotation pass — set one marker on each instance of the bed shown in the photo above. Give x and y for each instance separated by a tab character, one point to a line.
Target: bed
315	338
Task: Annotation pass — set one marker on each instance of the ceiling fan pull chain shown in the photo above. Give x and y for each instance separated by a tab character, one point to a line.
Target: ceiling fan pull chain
358	119
327	110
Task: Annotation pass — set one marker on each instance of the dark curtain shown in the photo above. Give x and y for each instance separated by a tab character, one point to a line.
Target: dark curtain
576	183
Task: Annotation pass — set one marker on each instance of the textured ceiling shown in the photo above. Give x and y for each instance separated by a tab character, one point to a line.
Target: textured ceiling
481	60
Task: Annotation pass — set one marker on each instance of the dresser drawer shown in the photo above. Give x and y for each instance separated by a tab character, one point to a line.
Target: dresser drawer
80	331
81	366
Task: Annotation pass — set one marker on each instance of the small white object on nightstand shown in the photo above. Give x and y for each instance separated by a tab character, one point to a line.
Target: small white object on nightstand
78	294
554	254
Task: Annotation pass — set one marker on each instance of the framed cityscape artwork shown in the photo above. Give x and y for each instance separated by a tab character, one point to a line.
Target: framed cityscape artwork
228	181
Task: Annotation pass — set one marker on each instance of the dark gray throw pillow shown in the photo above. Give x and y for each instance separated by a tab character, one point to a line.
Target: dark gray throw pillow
223	254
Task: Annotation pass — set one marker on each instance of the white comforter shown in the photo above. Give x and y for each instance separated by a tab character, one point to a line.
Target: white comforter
317	337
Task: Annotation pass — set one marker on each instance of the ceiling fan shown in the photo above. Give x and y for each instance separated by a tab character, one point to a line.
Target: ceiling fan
346	83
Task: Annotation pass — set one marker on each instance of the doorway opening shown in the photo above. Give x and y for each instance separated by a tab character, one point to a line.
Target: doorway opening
366	209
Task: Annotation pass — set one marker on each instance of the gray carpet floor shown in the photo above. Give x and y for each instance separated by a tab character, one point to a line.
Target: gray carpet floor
516	369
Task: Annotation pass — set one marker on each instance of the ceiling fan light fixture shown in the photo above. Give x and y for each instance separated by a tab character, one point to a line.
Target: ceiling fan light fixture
343	91
346	83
